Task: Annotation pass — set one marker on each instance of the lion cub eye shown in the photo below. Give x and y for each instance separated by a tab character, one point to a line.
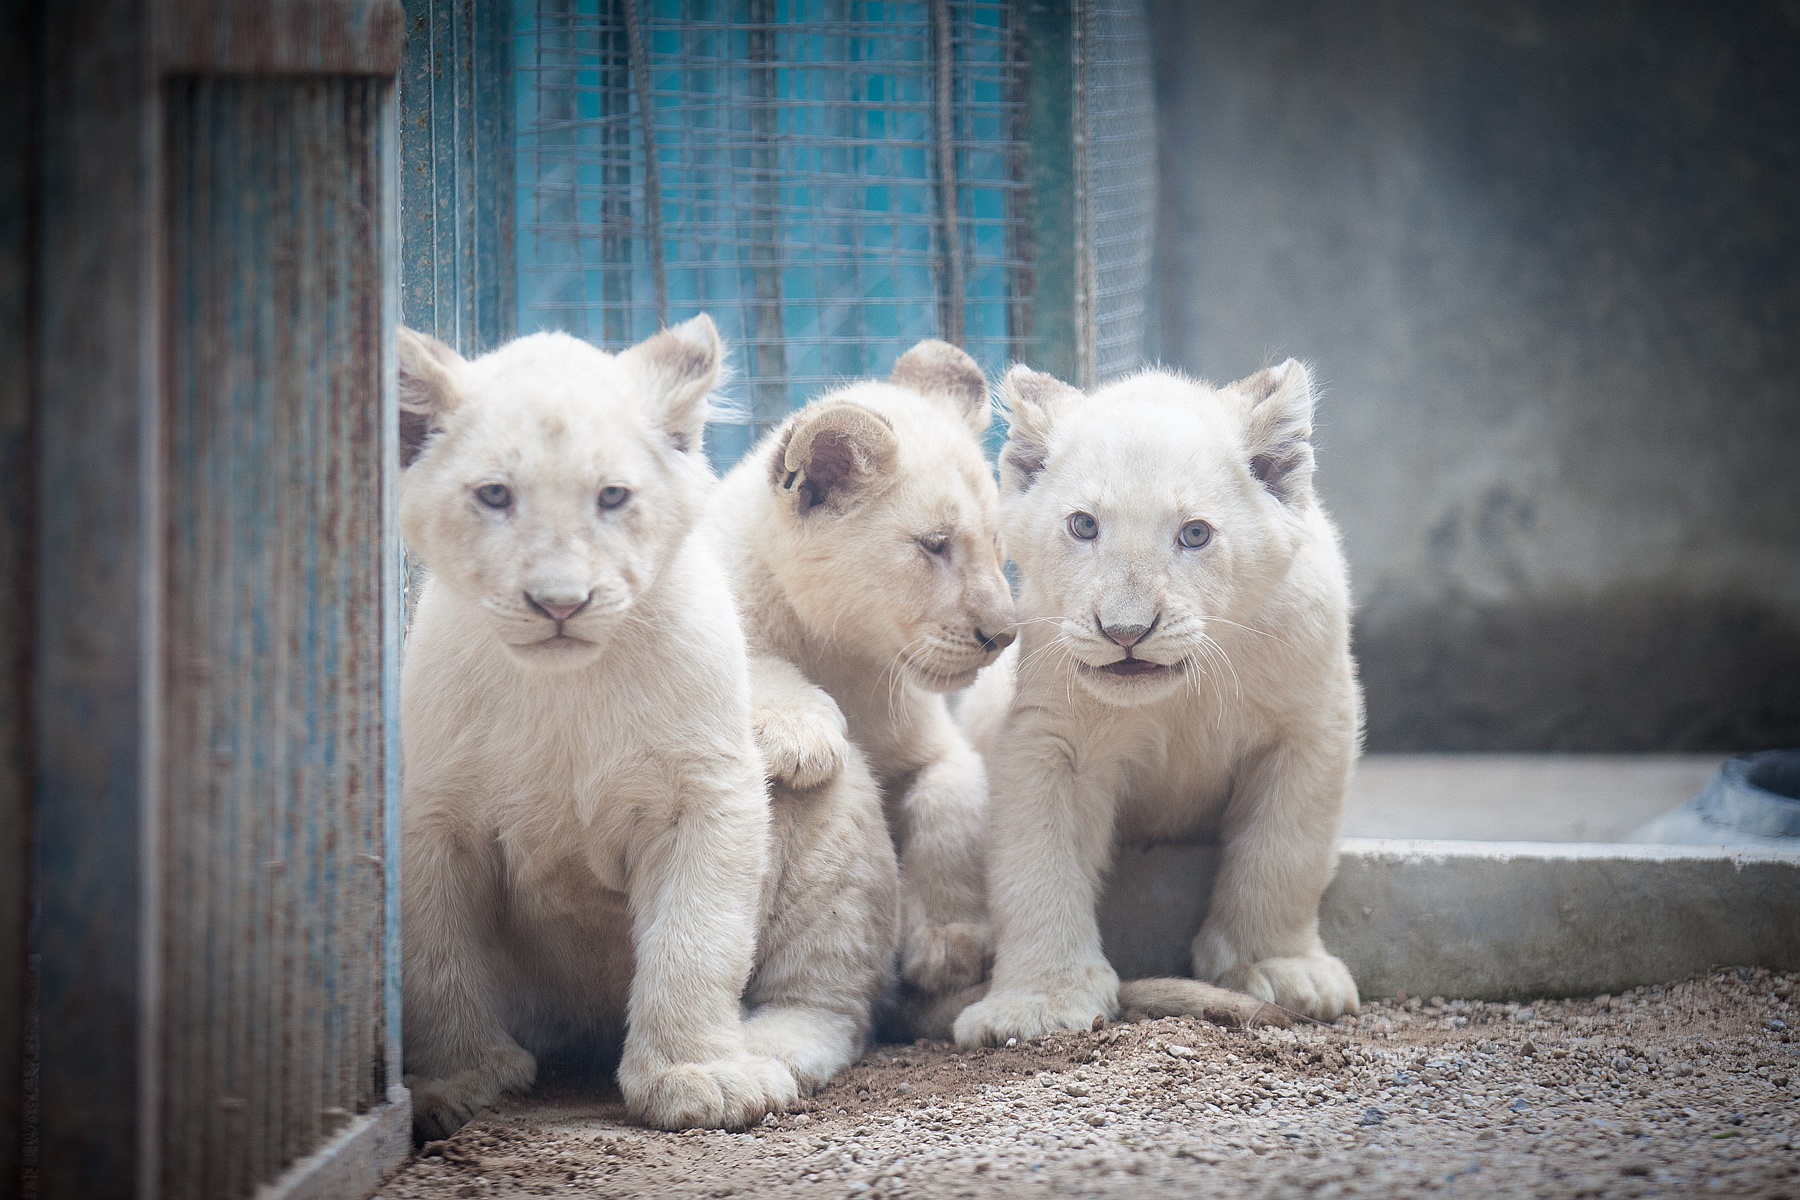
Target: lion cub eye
1195	534
935	543
494	495
1083	526
613	495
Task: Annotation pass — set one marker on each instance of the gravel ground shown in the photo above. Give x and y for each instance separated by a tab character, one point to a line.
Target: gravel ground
1663	1091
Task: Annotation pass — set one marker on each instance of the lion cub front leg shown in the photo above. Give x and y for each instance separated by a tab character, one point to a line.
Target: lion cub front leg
799	728
696	883
940	825
1052	842
459	1057
1261	934
826	948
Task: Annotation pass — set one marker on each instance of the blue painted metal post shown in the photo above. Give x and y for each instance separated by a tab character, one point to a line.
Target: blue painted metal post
214	670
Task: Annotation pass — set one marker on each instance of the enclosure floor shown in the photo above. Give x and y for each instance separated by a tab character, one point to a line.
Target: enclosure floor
1669	1091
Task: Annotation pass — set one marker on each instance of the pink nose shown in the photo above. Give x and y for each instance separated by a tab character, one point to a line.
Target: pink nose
558	612
1126	635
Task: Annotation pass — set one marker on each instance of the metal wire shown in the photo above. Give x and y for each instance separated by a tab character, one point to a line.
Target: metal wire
816	174
1121	180
640	85
950	235
800	196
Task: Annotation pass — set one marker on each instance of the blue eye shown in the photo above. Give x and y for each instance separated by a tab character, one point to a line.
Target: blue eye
613	496
1195	534
1083	526
494	495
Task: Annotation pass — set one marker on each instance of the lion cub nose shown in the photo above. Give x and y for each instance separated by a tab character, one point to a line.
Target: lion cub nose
1126	635
557	612
993	642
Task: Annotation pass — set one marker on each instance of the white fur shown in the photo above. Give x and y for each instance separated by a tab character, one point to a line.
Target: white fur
862	539
586	832
1250	733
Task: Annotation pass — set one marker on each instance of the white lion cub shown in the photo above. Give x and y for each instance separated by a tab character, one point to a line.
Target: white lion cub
863	541
1184	670
586	833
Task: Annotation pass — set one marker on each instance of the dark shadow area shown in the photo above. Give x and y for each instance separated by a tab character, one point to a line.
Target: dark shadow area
1620	671
579	1072
1545	260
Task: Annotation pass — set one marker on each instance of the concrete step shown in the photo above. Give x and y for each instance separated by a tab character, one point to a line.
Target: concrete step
1519	797
1482	918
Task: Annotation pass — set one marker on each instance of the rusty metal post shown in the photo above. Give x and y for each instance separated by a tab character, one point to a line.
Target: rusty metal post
214	670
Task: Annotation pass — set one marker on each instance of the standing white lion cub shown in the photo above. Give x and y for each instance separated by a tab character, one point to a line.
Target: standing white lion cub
586	833
1184	670
863	541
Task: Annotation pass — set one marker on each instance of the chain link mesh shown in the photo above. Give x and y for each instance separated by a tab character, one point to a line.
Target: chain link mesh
798	206
1121	151
796	184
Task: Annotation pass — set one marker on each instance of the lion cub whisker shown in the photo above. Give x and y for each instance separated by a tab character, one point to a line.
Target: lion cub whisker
863	540
591	856
1176	519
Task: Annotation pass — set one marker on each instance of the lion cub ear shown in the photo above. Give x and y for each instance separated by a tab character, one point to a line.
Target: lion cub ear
429	371
934	368
677	369
1278	432
1032	400
834	456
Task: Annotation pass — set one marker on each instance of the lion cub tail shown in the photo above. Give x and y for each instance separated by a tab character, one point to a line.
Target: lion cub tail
1191	998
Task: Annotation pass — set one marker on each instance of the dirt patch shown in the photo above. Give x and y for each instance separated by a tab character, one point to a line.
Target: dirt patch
1664	1091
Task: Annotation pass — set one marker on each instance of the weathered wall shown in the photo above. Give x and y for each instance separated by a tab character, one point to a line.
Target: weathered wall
1546	259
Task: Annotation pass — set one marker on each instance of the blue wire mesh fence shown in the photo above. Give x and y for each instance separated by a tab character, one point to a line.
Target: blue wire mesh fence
1120	136
791	179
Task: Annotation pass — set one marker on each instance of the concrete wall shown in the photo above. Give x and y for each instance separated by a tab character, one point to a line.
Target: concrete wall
1546	259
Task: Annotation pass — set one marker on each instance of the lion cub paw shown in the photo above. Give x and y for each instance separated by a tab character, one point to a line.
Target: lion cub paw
944	957
440	1107
1028	1014
727	1093
1316	985
804	743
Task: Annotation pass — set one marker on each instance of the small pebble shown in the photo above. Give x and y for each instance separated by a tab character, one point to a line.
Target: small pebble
1659	1085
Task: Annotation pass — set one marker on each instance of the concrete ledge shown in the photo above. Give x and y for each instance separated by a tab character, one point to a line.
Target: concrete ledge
1493	920
355	1162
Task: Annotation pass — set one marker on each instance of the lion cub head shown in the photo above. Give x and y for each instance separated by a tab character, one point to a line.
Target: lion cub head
1152	510
887	533
547	483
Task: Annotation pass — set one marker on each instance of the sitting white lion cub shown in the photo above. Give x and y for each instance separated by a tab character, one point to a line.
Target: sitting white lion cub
1184	670
587	838
863	541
